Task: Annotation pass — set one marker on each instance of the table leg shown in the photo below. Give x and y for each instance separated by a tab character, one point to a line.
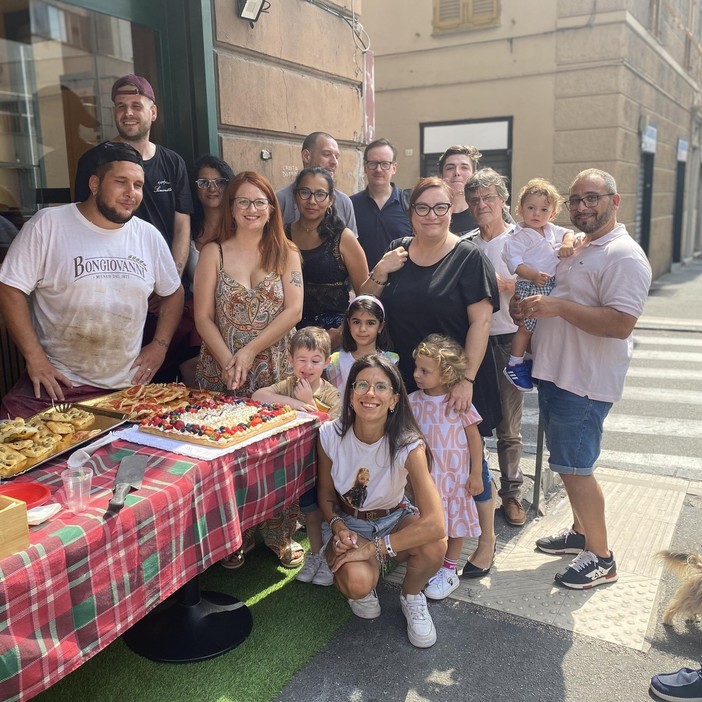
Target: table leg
192	626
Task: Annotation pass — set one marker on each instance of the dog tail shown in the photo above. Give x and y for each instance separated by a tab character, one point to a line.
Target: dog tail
680	562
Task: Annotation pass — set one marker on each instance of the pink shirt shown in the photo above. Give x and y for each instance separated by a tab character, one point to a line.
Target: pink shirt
609	272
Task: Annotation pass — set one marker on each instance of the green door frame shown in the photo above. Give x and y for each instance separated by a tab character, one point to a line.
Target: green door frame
186	61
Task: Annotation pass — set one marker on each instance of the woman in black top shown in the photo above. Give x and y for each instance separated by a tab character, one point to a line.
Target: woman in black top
437	282
332	258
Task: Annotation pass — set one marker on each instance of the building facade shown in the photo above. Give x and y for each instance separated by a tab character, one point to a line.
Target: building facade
248	90
547	89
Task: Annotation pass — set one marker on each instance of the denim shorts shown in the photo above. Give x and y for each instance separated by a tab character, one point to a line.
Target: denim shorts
486	494
308	500
370	528
573	429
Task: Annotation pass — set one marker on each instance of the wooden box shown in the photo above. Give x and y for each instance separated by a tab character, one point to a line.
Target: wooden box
14	530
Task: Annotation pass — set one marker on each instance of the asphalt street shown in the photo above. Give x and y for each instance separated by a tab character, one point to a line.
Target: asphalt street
485	654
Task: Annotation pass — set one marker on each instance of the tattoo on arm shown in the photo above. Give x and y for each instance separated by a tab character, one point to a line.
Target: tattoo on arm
296	278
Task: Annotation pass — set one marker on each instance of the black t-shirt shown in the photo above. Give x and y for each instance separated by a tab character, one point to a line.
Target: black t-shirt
462	222
423	300
166	189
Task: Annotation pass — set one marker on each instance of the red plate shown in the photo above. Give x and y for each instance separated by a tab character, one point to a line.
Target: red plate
34	494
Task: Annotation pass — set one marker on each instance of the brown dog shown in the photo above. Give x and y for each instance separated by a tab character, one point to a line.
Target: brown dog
687	600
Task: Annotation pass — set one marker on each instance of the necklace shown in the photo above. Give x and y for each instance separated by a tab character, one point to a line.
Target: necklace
307	230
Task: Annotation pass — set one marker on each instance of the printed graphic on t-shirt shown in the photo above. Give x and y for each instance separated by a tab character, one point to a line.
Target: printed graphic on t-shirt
109	267
356	496
163	186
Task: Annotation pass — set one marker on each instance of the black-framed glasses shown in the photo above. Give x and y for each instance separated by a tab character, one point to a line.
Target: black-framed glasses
375	165
243	203
318	195
590	200
361	387
218	183
487	199
440	209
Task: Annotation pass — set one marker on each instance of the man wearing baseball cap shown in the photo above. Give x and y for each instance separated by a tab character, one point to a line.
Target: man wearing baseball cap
74	290
167	202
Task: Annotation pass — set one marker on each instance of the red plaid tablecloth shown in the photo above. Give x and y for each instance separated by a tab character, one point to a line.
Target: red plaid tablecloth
86	579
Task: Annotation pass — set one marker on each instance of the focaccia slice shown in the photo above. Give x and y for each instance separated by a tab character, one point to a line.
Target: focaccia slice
42	446
80	419
11	461
63	428
16	429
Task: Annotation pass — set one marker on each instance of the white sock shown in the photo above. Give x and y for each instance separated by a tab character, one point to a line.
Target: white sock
516	360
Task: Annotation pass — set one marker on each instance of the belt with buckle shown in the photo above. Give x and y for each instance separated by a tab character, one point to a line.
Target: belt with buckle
367	514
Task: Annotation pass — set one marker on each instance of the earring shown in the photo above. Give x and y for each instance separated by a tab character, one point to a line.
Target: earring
392	410
329	210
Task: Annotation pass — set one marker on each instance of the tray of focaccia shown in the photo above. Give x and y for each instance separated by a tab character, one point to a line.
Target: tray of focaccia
27	443
146	401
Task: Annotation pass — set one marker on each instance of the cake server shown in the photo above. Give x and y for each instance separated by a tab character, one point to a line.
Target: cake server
129	477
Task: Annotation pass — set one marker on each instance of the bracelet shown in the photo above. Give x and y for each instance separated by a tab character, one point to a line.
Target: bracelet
388	547
470	380
333	520
377	282
161	342
380	557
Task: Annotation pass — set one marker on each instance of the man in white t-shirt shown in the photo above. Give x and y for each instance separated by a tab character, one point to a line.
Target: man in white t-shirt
74	289
582	348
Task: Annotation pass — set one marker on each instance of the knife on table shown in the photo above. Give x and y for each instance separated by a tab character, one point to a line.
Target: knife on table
129	477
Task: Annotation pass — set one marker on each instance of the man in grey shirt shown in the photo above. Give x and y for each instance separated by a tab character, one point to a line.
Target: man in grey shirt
318	149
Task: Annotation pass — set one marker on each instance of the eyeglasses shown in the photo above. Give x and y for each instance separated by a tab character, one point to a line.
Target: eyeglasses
218	183
243	203
306	194
590	200
375	165
440	209
487	199
361	387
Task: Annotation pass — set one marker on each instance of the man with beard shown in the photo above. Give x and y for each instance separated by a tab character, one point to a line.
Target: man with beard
74	289
582	348
167	202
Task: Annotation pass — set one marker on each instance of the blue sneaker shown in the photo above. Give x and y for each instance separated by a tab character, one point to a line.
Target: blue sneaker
685	685
520	376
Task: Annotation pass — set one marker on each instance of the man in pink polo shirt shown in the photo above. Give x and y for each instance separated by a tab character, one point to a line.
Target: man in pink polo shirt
582	348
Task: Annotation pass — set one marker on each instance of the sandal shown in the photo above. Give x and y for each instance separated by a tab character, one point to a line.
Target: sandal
277	535
292	555
235	560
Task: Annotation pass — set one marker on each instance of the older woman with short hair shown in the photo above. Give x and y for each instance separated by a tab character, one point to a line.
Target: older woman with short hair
486	194
437	282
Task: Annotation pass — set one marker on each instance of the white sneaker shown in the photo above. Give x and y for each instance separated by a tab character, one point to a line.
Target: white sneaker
442	584
420	627
309	569
323	576
367	607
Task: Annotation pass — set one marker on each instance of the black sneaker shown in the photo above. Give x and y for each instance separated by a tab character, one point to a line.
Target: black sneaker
587	570
566	541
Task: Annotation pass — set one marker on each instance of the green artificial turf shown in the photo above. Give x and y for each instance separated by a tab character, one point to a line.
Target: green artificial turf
292	622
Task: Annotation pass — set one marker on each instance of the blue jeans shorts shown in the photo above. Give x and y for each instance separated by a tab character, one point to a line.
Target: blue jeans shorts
308	500
486	494
573	429
370	528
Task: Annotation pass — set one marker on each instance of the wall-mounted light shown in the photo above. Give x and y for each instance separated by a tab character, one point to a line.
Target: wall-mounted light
251	9
266	155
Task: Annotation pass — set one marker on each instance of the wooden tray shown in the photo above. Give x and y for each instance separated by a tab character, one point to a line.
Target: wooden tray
105	421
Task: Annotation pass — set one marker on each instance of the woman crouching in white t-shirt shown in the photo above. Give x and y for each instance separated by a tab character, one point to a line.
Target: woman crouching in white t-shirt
365	459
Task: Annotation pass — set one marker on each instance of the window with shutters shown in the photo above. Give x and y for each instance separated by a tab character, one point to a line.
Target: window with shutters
457	15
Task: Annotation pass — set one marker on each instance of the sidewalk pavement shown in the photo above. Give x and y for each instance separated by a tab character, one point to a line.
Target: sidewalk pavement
536	642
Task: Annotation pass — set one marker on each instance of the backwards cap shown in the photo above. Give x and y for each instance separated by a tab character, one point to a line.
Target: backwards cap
110	151
133	85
